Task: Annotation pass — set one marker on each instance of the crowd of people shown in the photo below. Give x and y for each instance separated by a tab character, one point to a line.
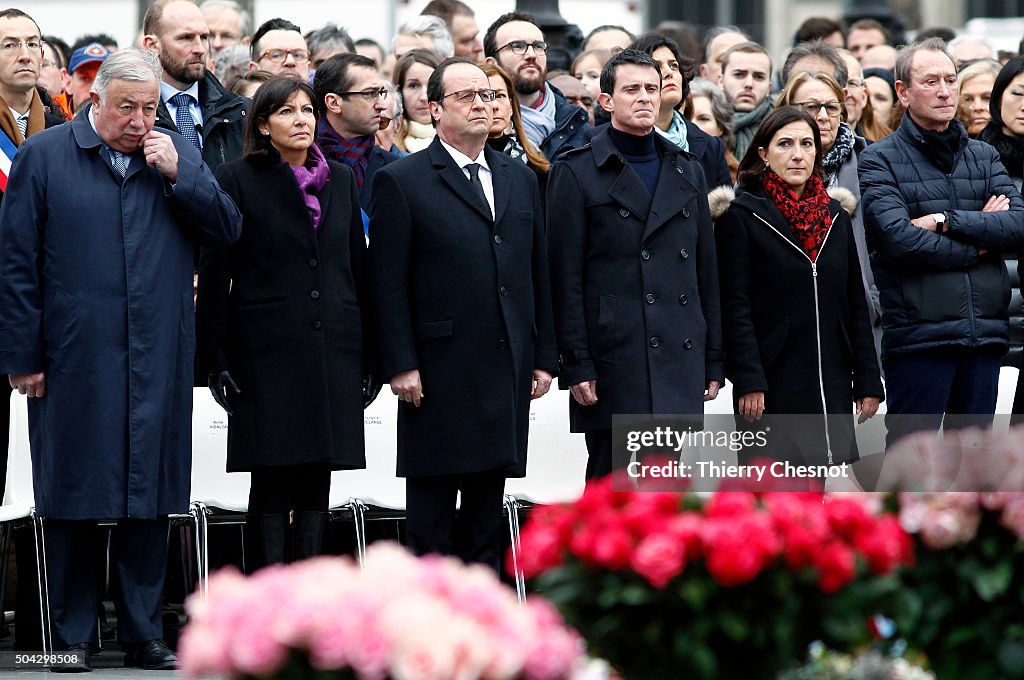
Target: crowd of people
296	219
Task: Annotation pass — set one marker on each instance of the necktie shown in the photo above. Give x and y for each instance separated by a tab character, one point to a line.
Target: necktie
183	119
478	188
119	163
23	125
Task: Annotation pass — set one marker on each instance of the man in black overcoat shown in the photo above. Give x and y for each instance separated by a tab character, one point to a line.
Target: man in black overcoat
459	282
633	271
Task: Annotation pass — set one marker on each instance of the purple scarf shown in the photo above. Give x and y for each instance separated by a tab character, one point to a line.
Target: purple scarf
311	179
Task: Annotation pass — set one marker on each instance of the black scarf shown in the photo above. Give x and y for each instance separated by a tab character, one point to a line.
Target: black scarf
840	152
1010	148
940	147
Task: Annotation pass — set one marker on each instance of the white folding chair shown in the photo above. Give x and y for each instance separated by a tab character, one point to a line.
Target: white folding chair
375	492
217	497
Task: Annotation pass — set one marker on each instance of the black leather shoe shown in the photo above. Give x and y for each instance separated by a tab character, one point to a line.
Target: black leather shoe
152	655
80	652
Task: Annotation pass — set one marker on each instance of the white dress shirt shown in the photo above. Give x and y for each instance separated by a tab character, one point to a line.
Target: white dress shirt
462	160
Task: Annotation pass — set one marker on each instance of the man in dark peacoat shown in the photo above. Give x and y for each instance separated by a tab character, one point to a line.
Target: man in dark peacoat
459	283
99	329
633	271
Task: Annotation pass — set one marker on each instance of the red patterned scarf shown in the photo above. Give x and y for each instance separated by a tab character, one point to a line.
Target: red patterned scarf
807	216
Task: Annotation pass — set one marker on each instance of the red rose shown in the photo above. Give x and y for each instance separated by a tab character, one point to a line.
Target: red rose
847	516
886	545
686	528
730	504
836	566
733	550
659	559
541	550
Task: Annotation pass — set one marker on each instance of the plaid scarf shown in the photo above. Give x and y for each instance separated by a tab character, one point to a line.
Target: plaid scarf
807	216
353	152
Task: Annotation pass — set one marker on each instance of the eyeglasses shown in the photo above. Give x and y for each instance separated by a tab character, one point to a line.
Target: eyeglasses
831	108
279	56
368	95
466	96
854	82
520	47
14	46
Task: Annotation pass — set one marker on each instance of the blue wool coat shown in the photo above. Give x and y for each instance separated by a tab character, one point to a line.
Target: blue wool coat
96	291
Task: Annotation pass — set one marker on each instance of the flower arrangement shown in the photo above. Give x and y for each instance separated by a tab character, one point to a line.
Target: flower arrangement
962	604
826	664
660	581
401	618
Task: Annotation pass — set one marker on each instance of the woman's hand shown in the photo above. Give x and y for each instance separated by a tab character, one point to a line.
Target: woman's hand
751	406
866	408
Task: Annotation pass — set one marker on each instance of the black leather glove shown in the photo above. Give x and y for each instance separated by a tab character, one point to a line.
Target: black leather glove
371	388
220	384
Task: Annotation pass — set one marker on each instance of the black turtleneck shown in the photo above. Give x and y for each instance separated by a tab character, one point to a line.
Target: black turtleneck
641	154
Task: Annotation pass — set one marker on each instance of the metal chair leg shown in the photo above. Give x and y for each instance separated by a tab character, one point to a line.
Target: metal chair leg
39	533
359	519
200	515
512	507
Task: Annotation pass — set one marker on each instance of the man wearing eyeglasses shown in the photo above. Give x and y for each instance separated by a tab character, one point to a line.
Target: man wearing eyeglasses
279	47
516	43
192	100
459	280
353	97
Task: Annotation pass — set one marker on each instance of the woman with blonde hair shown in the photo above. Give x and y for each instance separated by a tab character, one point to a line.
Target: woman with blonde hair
507	134
976	81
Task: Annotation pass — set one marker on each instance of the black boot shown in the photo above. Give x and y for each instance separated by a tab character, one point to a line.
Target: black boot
266	538
308	534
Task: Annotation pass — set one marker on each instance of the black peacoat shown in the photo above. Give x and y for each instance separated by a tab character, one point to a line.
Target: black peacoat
285	311
635	283
465	300
783	318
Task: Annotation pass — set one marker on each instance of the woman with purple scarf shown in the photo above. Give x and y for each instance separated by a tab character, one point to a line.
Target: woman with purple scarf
283	325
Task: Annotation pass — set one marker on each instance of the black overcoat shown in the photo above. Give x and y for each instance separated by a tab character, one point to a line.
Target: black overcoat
635	283
466	300
283	310
775	328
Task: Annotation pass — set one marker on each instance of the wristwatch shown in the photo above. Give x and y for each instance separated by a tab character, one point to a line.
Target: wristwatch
940	222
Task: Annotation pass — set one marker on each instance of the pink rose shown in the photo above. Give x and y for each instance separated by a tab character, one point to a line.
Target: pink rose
659	559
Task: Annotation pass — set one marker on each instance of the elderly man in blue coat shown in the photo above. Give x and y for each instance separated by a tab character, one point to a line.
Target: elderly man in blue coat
97	238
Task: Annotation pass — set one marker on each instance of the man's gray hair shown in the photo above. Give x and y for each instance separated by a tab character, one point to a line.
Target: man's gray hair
394	97
816	49
427	24
905	57
231	4
329	37
713	33
128	64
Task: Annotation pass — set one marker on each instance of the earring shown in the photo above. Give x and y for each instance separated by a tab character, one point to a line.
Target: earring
265	132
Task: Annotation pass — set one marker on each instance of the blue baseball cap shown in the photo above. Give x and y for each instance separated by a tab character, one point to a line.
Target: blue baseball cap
91	53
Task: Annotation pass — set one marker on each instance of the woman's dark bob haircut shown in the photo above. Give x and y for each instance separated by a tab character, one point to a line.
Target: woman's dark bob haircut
271	96
748	175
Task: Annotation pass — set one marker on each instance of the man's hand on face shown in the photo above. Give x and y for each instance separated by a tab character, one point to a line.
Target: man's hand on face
161	154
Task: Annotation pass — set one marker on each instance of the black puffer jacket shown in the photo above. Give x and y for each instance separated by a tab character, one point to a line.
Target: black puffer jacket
223	122
936	290
1011	152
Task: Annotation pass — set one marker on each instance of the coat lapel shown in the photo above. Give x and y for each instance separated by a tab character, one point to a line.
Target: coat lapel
628	189
456	179
671	194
